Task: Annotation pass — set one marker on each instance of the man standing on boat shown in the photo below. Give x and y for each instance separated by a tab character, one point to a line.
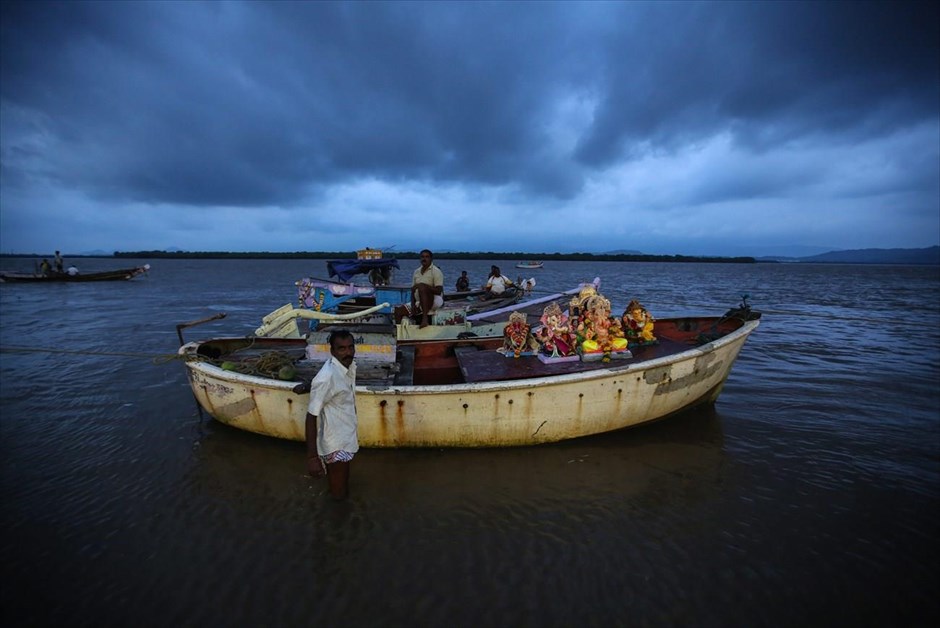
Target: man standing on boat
427	287
59	264
332	426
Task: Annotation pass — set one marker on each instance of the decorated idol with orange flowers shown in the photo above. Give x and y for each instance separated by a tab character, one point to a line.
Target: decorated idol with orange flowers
517	336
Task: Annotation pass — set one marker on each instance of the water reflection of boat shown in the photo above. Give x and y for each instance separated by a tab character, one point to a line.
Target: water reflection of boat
669	460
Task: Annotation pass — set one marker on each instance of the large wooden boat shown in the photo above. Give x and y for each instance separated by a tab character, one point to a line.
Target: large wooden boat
53	276
530	264
464	392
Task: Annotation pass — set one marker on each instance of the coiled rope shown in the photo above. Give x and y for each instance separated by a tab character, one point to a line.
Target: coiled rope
268	364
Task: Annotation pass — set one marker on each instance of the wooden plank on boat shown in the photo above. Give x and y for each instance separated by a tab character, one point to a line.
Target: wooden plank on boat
373	344
464	351
490	366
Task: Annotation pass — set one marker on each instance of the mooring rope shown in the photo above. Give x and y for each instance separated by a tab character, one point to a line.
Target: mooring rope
156	359
267	364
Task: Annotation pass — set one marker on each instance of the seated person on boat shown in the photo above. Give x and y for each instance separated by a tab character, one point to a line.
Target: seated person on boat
380	276
427	288
463	282
496	283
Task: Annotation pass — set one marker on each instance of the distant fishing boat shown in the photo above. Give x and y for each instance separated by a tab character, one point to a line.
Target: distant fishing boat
53	276
530	264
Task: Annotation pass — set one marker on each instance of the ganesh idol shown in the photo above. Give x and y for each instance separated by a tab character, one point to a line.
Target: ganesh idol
638	324
555	336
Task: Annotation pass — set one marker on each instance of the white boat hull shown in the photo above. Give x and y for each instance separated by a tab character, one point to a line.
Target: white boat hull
489	414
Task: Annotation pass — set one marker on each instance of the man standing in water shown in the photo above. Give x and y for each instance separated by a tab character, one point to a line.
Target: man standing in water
427	287
332	425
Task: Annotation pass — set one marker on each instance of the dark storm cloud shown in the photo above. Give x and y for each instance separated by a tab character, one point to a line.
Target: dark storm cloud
767	72
264	104
249	104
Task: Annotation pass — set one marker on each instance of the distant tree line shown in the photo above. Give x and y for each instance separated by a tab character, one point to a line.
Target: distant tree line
571	257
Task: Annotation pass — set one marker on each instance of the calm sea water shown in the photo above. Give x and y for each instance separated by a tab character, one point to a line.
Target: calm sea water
807	496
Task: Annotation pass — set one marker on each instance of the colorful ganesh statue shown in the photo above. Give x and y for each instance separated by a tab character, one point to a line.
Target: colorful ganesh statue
517	337
599	334
578	304
554	336
638	324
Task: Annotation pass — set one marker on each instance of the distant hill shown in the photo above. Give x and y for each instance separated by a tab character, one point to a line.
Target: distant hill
929	255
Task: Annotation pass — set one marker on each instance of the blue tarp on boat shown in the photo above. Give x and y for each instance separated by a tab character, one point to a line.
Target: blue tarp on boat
346	269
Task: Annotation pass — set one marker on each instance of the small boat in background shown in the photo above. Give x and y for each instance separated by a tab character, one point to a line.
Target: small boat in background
53	276
530	264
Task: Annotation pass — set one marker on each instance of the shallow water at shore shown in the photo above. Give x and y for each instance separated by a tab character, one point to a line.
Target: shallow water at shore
807	495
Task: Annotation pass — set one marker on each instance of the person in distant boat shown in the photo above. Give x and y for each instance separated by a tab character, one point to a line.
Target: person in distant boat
379	276
59	264
463	282
427	287
44	267
332	426
72	270
496	283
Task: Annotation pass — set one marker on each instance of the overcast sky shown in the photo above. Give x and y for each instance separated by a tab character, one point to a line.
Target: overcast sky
668	128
